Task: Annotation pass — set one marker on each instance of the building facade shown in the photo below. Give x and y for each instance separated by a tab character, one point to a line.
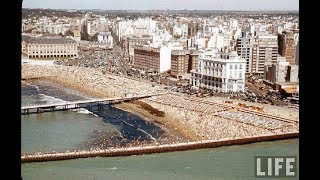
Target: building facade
282	72
105	38
182	62
287	46
49	47
179	63
147	58
264	52
220	71
244	49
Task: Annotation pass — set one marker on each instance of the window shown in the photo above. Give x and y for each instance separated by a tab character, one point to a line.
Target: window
235	67
240	66
231	67
240	75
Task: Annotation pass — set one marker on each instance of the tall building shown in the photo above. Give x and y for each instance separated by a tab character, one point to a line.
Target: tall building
179	63
296	56
193	60
286	46
42	24
182	62
220	71
192	30
244	49
264	52
152	59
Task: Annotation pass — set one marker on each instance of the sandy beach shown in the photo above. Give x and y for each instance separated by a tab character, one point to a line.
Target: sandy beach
197	119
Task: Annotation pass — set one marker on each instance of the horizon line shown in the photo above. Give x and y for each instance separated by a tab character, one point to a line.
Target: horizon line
164	9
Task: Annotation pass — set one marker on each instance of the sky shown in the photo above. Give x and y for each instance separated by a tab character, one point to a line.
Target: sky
165	4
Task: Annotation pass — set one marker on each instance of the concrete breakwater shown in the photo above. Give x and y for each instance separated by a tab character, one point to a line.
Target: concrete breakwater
127	151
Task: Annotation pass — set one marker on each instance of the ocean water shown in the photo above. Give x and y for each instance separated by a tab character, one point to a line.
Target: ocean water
79	129
83	129
230	162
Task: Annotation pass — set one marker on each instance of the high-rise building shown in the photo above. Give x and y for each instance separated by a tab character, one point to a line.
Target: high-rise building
296	56
152	59
286	46
264	52
182	62
179	63
244	49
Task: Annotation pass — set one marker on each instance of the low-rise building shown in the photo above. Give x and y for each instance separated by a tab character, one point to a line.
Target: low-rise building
282	72
49	47
220	71
106	38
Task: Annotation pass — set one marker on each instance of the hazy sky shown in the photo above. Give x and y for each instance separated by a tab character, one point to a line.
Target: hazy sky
165	4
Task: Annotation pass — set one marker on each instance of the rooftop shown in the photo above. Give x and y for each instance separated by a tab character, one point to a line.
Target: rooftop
47	40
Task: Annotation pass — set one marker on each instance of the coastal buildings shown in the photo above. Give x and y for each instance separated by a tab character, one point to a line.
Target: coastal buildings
182	62
282	72
219	71
264	52
244	49
286	45
48	47
179	63
152	59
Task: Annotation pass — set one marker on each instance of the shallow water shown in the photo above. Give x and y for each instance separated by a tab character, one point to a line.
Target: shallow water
81	129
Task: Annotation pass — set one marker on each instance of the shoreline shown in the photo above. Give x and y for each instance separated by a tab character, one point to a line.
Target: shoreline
194	119
174	135
163	122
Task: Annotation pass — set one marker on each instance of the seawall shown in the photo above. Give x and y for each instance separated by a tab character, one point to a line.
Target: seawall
128	151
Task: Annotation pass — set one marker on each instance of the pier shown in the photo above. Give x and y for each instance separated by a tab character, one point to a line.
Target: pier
128	151
80	104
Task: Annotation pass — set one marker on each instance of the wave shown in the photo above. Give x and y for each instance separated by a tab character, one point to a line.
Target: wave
51	99
82	111
113	168
141	130
32	85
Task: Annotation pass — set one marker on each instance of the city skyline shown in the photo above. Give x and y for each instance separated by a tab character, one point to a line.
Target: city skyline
243	5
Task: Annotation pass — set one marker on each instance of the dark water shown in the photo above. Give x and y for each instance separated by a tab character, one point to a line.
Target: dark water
79	129
72	130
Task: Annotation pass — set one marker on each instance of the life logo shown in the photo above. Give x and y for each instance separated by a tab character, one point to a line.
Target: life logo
275	166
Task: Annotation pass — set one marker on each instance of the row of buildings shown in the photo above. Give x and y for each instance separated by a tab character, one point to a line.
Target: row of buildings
263	49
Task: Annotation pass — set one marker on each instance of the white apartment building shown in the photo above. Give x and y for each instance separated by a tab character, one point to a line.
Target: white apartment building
220	71
265	52
244	49
105	38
